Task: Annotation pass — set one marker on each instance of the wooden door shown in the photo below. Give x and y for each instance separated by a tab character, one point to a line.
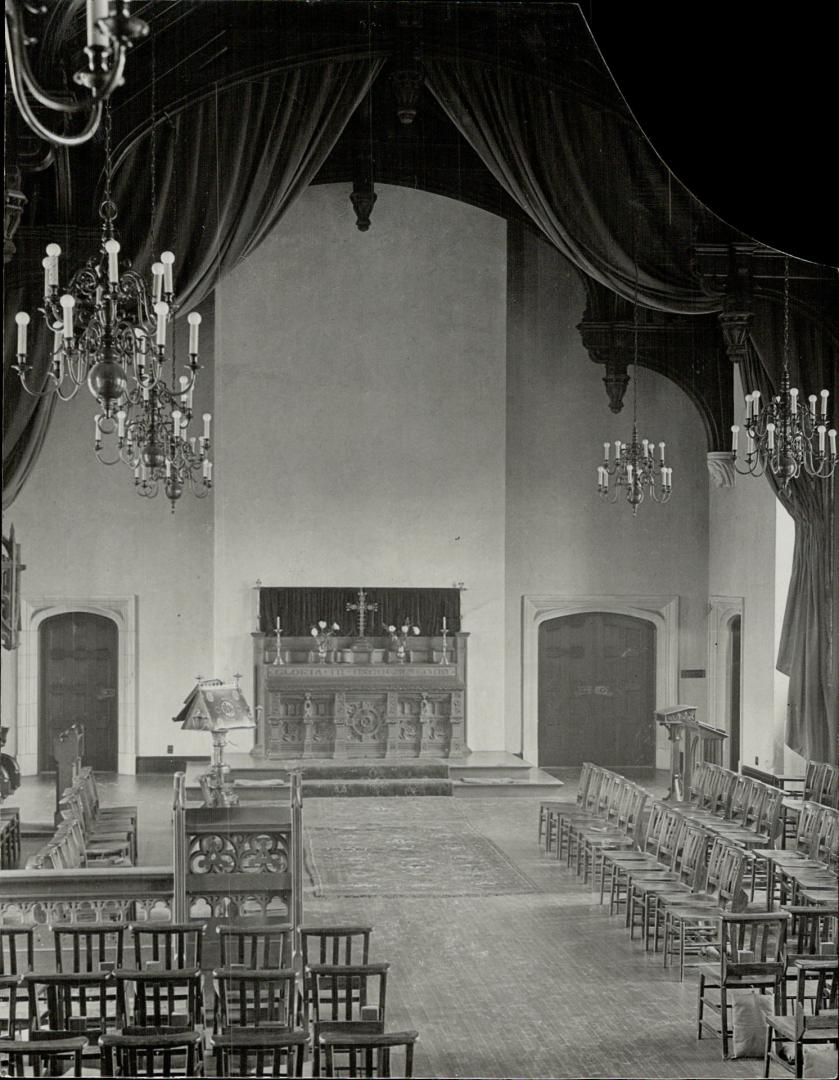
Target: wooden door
597	691
78	685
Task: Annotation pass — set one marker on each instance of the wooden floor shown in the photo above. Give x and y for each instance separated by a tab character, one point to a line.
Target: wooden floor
540	983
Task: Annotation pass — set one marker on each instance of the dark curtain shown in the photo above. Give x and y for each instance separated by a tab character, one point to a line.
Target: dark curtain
584	173
299	609
228	168
807	635
25	418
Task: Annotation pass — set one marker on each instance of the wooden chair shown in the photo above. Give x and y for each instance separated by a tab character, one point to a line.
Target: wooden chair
255	945
751	947
347	998
812	957
255	999
152	1053
167	998
76	1001
646	890
367	1055
332	945
17	956
658	855
167	946
691	922
44	1053
550	810
88	946
260	1052
787	1037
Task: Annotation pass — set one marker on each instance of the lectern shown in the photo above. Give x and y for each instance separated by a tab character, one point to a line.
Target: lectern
691	741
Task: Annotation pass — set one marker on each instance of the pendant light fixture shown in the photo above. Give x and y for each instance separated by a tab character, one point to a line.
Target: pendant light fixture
787	434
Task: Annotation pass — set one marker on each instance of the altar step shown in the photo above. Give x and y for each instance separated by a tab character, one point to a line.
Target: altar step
475	775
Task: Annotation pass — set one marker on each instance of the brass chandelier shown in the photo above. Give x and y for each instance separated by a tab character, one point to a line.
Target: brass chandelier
784	435
638	473
111	32
108	332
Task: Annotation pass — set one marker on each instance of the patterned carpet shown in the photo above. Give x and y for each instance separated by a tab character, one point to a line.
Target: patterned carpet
426	858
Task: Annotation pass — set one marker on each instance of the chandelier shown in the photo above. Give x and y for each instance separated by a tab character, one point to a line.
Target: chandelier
108	332
784	435
637	471
111	31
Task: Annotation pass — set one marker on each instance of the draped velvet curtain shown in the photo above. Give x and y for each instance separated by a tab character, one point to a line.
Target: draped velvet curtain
807	635
576	167
299	609
226	170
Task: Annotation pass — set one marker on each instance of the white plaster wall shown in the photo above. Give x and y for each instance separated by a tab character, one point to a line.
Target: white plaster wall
741	556
85	533
561	538
360	402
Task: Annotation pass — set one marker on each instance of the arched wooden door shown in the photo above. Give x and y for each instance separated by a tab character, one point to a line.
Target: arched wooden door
597	691
78	684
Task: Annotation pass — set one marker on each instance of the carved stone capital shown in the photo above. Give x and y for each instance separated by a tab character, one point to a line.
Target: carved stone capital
363	199
735	326
721	467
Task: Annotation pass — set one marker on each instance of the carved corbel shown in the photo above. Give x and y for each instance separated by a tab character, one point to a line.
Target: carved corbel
363	199
407	82
721	468
735	326
616	381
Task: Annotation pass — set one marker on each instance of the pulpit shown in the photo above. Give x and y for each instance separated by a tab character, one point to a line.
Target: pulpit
691	741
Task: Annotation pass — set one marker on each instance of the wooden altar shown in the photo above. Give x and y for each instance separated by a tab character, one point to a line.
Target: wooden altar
360	700
691	741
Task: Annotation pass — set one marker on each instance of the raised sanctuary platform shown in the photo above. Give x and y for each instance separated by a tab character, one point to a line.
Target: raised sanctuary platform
475	775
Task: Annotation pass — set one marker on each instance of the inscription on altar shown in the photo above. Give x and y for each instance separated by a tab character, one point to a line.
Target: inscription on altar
366	696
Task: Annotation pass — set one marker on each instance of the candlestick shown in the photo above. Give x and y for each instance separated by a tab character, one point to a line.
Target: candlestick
278	659
444	655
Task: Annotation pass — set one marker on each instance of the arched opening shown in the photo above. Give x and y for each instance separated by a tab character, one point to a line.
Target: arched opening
597	691
732	678
78	684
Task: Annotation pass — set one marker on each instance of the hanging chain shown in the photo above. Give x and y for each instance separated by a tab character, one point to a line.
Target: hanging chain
153	147
786	311
635	323
108	204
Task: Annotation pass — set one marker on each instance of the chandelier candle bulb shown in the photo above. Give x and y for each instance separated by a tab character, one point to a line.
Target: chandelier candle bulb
770	436
121	424
661	452
821	430
96	420
832	437
176	424
606	448
793	400
168	468
46	262
194	320
96	10
735	435
112	248
207	417
167	258
22	320
67	305
161	309
157	282
825	394
444	617
812	400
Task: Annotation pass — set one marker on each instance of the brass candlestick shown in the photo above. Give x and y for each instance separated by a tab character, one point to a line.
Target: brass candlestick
444	658
278	659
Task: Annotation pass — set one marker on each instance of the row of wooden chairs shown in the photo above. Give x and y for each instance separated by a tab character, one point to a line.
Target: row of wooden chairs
260	1010
821	784
88	834
806	870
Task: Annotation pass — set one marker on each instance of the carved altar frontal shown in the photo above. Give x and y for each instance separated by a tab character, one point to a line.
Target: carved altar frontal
360	704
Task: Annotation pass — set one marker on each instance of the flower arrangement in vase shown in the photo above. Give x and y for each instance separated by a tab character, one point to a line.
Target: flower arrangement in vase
399	638
323	634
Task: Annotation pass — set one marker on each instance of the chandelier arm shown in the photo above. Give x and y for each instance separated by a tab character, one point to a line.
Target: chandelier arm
38	393
20	68
71	395
103	460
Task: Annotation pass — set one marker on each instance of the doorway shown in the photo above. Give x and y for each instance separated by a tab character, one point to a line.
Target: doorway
78	685
596	691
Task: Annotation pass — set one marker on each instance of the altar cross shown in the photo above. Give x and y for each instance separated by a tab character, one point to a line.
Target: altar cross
362	607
